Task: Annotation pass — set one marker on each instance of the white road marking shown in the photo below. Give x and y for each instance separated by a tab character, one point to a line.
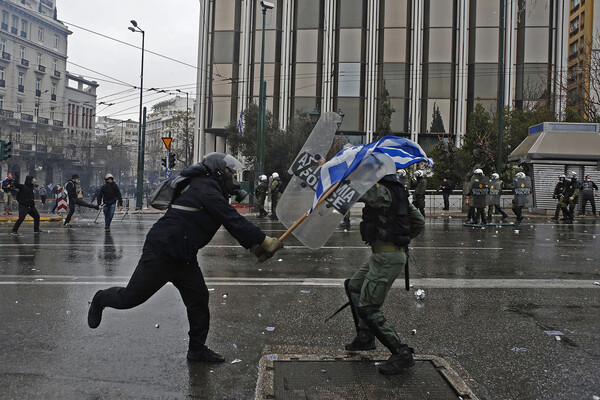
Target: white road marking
425	283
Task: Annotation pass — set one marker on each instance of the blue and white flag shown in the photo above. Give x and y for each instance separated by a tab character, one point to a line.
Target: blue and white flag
239	125
402	151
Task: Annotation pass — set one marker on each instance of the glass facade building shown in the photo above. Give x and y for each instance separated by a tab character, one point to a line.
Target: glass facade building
435	59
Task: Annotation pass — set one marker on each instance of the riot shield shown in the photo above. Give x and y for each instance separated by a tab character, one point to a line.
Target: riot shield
324	219
523	197
306	168
495	192
479	191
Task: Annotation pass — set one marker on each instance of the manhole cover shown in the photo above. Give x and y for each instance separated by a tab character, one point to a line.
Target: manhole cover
355	377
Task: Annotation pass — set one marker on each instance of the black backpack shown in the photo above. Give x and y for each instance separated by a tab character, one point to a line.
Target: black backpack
167	191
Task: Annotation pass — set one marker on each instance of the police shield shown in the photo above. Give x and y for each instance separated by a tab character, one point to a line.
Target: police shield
306	169
523	197
479	191
495	192
324	219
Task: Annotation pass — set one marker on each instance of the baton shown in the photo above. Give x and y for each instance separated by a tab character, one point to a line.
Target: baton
99	211
126	211
302	218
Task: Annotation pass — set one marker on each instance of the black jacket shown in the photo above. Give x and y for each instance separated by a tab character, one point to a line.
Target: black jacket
446	188
110	193
180	234
71	188
25	196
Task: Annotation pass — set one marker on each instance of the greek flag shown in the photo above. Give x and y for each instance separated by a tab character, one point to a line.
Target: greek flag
404	152
239	125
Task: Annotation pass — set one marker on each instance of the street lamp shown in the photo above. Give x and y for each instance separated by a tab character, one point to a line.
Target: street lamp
37	129
141	139
187	114
260	148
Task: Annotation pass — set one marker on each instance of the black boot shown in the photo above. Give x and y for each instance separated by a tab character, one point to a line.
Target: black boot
95	312
364	340
205	355
399	361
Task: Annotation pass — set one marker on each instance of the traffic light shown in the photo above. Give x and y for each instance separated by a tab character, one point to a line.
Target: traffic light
171	160
163	161
5	150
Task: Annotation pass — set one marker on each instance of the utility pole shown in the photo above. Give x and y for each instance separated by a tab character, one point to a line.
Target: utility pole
500	87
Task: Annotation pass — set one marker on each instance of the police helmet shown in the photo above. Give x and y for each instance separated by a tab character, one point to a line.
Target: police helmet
418	174
262	178
520	175
216	163
275	175
478	171
108	176
573	175
563	176
495	176
401	172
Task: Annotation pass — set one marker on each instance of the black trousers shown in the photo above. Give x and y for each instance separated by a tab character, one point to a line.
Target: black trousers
23	211
518	210
72	208
591	200
152	273
446	201
498	210
477	213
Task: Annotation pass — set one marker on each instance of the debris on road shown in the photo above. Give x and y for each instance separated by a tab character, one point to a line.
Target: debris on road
270	328
420	294
519	349
237	360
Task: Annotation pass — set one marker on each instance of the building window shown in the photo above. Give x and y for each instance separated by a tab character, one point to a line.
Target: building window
52	113
5	20
41	34
54	62
22	52
36	110
1	102
53	89
21	78
23	28
1	73
55	41
39	59
19	105
15	24
2	45
38	84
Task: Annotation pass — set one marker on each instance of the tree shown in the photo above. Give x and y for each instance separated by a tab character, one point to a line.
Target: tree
446	163
477	150
384	115
437	123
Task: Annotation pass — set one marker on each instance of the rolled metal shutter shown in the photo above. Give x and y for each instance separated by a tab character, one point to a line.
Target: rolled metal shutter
545	177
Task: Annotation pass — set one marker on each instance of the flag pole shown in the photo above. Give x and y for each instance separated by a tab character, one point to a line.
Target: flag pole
302	218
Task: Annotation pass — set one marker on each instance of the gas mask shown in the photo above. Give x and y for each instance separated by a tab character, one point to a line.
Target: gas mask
233	187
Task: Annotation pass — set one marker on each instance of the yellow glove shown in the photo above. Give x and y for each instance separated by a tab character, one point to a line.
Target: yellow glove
266	249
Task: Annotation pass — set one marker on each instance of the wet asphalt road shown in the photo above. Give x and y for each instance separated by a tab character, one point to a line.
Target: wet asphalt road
490	297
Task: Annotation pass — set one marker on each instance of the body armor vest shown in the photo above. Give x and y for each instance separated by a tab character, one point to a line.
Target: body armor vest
389	224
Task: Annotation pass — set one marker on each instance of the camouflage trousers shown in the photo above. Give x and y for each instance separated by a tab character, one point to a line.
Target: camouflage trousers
370	285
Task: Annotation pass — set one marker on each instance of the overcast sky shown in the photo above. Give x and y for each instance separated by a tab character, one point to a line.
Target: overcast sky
171	28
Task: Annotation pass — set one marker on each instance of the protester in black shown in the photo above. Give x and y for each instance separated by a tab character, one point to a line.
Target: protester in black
108	196
171	247
26	201
446	189
71	188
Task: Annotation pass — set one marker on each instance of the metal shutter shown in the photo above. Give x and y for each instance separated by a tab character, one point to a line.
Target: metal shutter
545	177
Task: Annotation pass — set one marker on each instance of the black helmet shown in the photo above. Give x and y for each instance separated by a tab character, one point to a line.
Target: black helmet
216	163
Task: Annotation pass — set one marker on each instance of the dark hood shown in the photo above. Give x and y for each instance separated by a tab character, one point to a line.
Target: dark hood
29	181
195	170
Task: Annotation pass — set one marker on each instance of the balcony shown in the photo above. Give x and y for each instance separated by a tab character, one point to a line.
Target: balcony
38	92
53	97
4	26
2	83
5	56
47	3
24	34
14	30
57	123
42	120
56	74
21	88
41	68
24	62
27	117
6	113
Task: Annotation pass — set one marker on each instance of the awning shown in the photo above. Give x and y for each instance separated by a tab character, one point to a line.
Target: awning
567	146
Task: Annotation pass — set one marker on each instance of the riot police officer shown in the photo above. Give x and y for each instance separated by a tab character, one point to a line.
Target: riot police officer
569	197
388	224
558	189
522	197
495	194
172	244
420	188
276	189
477	195
260	194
